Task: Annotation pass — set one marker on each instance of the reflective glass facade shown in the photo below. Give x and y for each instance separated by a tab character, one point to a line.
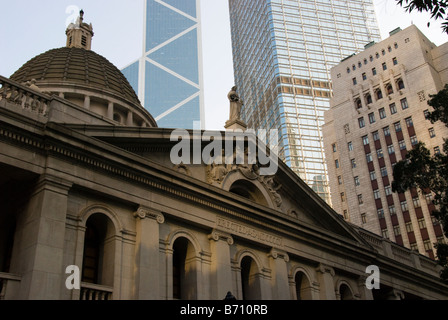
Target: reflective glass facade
283	51
168	77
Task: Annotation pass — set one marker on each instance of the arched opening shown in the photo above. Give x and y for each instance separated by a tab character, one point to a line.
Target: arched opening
400	84
184	270
250	279
303	286
378	94
99	250
358	103
369	98
249	191
345	292
389	89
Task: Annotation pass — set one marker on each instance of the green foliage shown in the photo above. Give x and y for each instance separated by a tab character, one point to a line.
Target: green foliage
437	8
429	174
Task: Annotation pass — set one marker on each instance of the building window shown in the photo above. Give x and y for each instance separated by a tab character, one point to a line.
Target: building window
348	70
345	214
372	175
376	136
409	122
364	76
372	117
353	162
354	81
426	114
393	108
437	150
342	197
394	61
388	191
404	206
427	245
365	140
396	45
392	210
369	157
339	180
384	65
402	144
336	163
380	213
397	231
379	94
414	140
363	218
400	84
409	226
385	233
428	198
383	172
379	153
432	132
376	194
361	122
374	71
397	126
382	113
386	131
421	223
360	201
350	146
416	202
389	89
404	103
390	149
334	147
414	247
356	179
368	98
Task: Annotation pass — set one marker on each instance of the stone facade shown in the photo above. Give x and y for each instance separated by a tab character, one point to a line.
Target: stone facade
382	94
82	191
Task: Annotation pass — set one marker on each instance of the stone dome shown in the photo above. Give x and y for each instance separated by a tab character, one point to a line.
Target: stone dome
85	78
76	66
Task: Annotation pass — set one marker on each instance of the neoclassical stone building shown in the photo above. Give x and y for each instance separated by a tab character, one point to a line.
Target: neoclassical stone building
87	180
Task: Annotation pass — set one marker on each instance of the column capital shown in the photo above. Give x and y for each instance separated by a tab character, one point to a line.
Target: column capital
146	212
217	235
323	268
278	254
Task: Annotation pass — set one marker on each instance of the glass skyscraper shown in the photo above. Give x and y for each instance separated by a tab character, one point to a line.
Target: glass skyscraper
168	76
283	51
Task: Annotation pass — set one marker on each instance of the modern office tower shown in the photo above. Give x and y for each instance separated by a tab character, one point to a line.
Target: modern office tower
378	112
283	52
168	76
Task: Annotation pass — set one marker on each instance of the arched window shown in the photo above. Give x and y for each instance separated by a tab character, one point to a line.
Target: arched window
303	286
345	292
389	89
250	279
99	250
378	94
400	84
358	103
184	270
369	98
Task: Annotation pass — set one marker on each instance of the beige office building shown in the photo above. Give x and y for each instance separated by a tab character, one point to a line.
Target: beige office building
378	112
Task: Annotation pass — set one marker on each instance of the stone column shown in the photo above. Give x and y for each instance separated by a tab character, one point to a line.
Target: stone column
221	269
40	237
110	110
87	102
325	276
278	261
147	253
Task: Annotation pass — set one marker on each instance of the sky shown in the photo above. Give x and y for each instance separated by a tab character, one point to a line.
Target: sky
29	28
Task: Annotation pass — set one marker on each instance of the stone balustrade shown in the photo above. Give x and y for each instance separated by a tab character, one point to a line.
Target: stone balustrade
90	291
26	96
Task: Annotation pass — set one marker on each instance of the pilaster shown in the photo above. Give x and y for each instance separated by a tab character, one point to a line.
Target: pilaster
325	276
278	260
221	269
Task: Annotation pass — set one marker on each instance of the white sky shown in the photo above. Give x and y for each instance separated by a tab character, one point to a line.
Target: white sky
29	28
